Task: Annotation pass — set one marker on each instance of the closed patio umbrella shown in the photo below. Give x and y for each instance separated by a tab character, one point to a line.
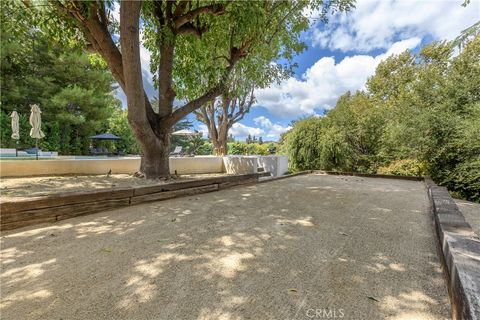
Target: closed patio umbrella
36	123
15	126
15	129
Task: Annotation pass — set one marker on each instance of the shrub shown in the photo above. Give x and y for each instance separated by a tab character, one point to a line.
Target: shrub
205	149
405	167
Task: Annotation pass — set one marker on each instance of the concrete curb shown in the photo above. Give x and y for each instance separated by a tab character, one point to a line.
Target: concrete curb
460	253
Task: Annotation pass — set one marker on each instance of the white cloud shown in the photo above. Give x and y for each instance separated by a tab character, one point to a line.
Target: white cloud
377	24
324	82
239	130
265	128
263	121
272	130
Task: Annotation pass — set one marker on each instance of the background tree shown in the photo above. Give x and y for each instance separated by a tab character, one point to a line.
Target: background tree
237	98
118	125
419	115
181	36
73	88
220	115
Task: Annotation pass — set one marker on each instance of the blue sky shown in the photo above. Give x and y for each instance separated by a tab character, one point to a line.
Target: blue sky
343	54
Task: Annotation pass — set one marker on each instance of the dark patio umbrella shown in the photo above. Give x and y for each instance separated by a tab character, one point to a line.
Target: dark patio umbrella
105	136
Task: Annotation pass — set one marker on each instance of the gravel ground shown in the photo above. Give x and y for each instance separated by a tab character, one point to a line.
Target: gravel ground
16	188
307	247
471	212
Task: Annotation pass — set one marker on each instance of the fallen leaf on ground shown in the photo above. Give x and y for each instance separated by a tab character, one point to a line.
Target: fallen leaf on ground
373	298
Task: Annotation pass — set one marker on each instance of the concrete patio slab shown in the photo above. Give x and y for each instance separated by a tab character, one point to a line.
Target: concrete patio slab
307	247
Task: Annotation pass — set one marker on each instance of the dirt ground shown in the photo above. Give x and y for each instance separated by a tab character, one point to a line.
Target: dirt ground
471	212
307	247
15	188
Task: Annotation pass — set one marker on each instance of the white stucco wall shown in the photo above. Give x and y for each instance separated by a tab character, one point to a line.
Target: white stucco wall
240	164
276	165
183	165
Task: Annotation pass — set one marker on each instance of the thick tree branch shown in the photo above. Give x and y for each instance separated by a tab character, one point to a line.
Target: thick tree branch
96	32
189	28
165	73
129	39
180	8
235	55
180	113
189	16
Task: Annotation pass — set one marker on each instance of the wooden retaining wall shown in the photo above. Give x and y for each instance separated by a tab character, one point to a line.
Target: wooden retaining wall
20	213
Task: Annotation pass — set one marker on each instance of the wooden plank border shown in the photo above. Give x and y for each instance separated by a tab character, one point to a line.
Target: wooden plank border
370	175
26	212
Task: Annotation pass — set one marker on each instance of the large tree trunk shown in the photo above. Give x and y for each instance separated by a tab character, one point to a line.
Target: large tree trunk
155	159
220	147
154	143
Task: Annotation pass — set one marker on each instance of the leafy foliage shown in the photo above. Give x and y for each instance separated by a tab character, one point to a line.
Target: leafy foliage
420	114
405	167
73	88
118	125
244	148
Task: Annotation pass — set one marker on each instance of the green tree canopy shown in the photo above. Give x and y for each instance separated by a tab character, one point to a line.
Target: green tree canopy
420	114
73	88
